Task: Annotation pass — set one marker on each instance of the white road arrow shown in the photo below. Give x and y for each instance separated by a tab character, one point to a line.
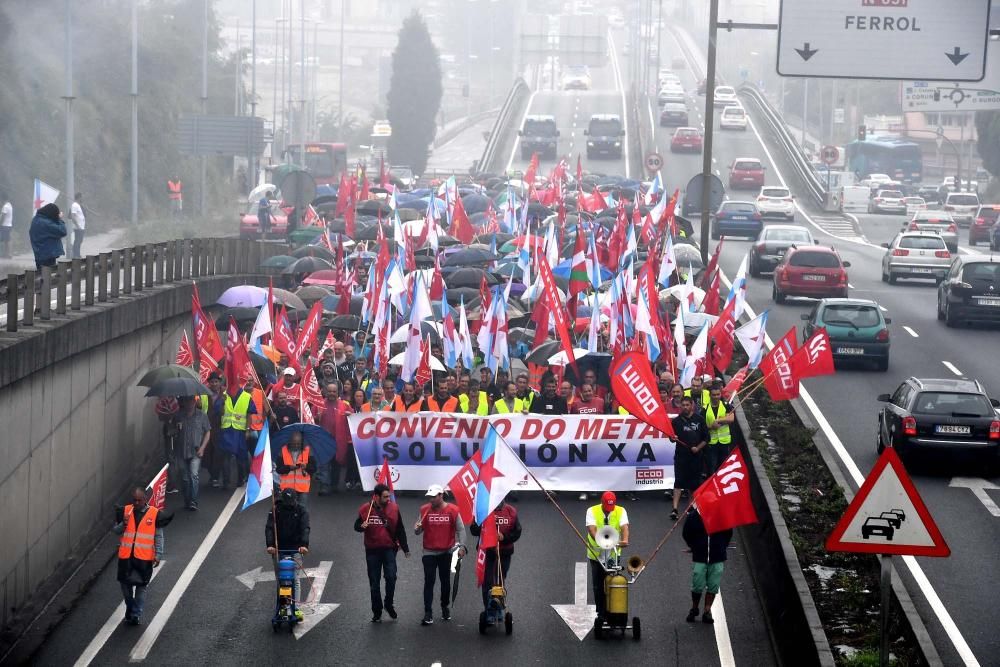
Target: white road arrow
313	610
978	486
579	616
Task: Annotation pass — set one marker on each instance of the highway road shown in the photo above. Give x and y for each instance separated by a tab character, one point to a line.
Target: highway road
951	594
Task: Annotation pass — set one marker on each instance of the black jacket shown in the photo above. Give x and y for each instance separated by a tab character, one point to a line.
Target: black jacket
540	405
705	548
293	527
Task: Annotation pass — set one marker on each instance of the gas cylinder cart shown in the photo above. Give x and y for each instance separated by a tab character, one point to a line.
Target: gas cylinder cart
496	609
286	611
616	587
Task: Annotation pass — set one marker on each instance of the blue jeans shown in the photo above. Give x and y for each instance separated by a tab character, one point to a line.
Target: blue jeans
78	235
379	561
190	480
133	600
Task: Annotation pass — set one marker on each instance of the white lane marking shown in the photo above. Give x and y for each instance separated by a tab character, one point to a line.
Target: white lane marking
621	89
951	367
726	657
108	629
978	486
911	331
142	648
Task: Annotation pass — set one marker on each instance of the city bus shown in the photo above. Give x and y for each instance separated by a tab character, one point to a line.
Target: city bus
899	158
325	161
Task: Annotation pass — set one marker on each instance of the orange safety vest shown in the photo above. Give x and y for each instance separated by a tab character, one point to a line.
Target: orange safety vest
450	404
138	541
399	406
295	479
257	420
174	188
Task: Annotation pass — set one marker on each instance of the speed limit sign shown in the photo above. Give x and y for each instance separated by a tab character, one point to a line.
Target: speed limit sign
654	162
829	154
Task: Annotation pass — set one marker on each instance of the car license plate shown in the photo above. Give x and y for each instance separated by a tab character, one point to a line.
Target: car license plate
987	301
285	591
739	217
922	270
850	350
953	430
814	278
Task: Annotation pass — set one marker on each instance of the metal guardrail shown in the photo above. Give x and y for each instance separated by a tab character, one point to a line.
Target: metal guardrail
788	143
110	275
517	93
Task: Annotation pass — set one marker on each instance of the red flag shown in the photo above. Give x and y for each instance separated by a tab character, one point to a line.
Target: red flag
733	386
711	303
488	539
633	384
463	487
423	372
309	389
815	357
437	281
461	227
284	338
349	216
578	279
305	411
780	382
724	500
721	334
157	489
184	357
238	366
307	335
558	315
385	477
383	176
365	194
205	335
529	173
485	297
712	263
579	168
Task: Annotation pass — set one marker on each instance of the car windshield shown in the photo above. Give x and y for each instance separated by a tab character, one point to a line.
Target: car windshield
814	260
981	272
687	133
791	235
732	111
545	128
922	242
858	315
891	194
947	403
746	165
935	217
605	128
963	200
774	192
738	207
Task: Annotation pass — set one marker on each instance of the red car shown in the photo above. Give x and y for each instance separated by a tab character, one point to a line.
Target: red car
686	139
746	173
982	224
250	227
812	271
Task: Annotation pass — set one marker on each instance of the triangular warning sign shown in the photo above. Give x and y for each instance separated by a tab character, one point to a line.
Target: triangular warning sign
888	516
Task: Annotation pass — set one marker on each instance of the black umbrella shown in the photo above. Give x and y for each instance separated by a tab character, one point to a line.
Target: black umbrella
447	240
407	214
487	239
345	322
475	202
457	560
456	295
688	254
466	276
470	256
263	366
165	373
370	232
307	265
313	251
178	386
539	211
373	207
540	355
241	315
521	335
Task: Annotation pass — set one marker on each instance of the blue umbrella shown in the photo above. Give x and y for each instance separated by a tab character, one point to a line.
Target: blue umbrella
565	267
322	443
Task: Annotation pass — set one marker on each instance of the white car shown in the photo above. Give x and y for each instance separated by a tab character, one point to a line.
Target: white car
776	203
962	206
576	78
724	96
734	117
887	201
876	181
666	75
914	204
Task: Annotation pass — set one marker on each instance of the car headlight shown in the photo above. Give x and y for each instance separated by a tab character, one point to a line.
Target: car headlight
617	144
590	143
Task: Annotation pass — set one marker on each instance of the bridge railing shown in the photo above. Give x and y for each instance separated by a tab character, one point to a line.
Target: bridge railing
514	102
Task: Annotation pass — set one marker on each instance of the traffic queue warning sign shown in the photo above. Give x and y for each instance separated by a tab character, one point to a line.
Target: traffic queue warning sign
888	516
884	39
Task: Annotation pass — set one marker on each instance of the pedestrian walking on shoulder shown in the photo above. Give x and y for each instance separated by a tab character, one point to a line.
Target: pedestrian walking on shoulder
692	438
384	536
139	550
79	224
443	531
708	556
46	234
6	227
195	432
287	532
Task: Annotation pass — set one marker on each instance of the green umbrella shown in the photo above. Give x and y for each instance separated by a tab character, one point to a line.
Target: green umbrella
166	372
278	261
305	235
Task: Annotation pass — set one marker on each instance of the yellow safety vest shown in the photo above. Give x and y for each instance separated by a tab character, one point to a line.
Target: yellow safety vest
483	408
720	436
203	403
235	416
614	520
706	398
501	406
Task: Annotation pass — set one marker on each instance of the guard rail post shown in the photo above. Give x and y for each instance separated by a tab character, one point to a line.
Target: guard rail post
150	250
74	286
105	272
12	295
127	270
88	274
29	298
61	279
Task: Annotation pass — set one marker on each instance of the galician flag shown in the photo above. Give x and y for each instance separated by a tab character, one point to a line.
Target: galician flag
499	474
44	194
260	483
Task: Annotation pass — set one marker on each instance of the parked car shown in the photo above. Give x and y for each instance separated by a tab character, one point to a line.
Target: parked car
962	206
936	221
736	218
746	173
772	243
887	201
733	117
686	139
942	416
674	114
724	96
971	291
250	227
812	271
857	329
915	255
775	202
983	225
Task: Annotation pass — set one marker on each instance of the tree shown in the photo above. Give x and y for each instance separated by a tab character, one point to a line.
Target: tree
414	94
988	145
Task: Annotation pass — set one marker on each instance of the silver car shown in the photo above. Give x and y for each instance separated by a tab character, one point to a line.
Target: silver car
915	255
936	221
887	201
962	206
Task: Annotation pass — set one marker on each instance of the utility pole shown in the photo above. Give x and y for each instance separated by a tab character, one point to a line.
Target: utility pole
204	104
135	112
340	75
68	97
302	84
706	158
252	153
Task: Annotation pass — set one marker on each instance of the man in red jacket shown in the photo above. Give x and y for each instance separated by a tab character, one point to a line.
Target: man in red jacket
508	532
384	533
443	531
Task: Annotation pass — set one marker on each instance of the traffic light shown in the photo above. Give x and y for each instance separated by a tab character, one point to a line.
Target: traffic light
862	132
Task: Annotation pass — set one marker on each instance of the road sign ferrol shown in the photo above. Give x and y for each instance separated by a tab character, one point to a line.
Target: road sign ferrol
884	39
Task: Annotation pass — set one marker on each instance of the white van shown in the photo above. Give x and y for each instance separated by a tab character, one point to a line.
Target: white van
854	198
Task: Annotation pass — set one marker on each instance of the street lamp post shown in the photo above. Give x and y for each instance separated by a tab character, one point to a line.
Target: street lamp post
135	114
68	97
204	102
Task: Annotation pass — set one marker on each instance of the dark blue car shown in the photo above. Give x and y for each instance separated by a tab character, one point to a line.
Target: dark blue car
737	218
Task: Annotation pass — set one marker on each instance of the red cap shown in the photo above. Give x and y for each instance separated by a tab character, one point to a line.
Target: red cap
608	500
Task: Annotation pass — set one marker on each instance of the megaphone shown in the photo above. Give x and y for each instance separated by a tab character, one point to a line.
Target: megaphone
607	538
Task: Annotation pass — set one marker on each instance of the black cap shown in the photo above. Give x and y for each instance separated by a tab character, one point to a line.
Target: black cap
289	496
49	211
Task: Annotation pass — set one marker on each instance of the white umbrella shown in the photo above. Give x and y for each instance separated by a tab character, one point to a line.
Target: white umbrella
559	358
680	292
402	334
259	191
435	364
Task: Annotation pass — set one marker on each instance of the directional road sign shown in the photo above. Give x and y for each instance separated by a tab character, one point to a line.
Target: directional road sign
955	96
884	39
888	516
654	162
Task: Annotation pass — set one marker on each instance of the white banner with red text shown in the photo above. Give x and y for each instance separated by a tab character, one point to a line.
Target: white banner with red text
565	453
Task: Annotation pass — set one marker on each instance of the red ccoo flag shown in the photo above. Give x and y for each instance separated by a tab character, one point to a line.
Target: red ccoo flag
724	500
184	355
463	487
780	382
385	477
488	539
157	489
633	384
815	357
